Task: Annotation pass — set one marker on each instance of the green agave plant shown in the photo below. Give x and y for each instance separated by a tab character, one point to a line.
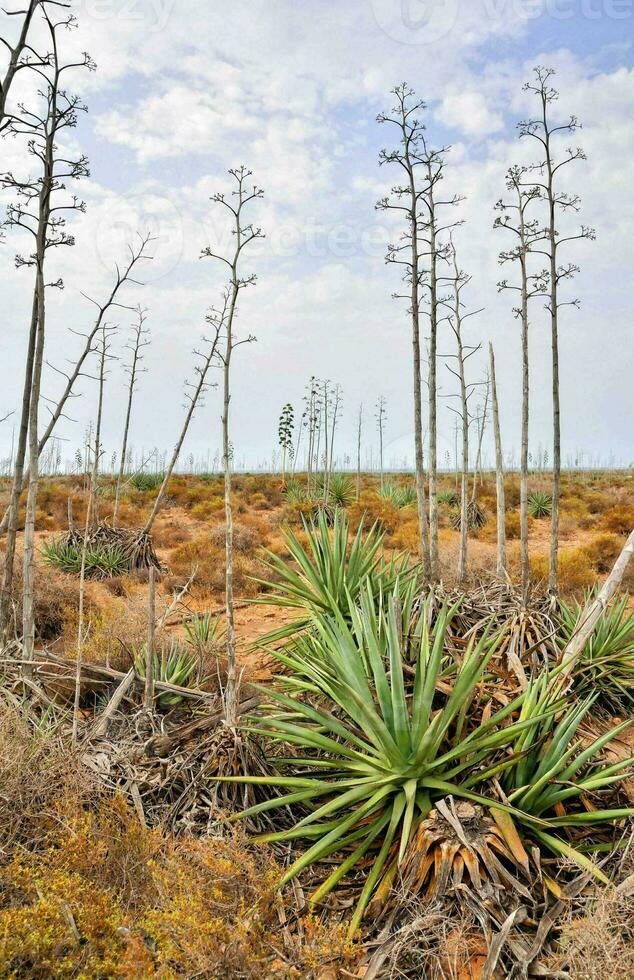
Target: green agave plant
549	768
341	489
147	481
203	630
401	495
294	491
448	497
100	560
540	504
374	758
172	666
332	568
607	660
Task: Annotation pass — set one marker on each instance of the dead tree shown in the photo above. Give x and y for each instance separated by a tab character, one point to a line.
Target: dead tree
9	519
499	474
136	345
456	317
312	422
417	200
359	428
380	423
40	208
21	55
325	389
481	421
103	354
334	418
515	216
244	233
546	173
407	201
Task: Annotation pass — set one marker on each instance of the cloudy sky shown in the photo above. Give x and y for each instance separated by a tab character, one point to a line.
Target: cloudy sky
185	90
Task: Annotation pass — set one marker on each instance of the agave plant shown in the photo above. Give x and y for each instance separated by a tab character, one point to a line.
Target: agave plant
100	560
476	517
448	497
172	666
401	495
539	504
294	491
550	773
204	634
147	481
341	489
377	757
607	660
332	568
61	554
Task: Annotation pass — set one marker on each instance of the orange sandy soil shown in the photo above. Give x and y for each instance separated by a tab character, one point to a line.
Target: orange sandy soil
189	533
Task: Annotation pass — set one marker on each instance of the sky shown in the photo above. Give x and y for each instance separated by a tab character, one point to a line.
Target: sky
184	90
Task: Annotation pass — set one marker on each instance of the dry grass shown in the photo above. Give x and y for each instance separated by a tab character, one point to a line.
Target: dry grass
597	943
88	891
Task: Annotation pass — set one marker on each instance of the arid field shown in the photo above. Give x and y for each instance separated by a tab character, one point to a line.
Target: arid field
117	857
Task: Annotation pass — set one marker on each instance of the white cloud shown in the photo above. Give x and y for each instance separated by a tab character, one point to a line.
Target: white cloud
470	113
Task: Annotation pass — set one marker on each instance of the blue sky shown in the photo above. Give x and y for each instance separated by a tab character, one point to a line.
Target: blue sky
184	90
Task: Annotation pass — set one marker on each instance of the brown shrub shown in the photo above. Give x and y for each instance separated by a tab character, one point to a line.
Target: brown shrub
207	509
209	561
169	533
618	519
575	571
56	596
36	767
371	507
603	551
145	904
406	537
245	538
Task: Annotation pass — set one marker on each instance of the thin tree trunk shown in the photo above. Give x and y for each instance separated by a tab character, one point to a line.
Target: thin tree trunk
14	58
419	460
19	485
92	499
481	428
80	626
231	693
28	574
499	474
149	650
359	451
433	396
554	329
13	509
592	613
138	343
524	554
326	475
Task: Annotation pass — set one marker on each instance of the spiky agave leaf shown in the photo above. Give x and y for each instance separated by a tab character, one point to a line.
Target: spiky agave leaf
400	494
539	504
373	757
172	666
551	773
607	660
331	569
